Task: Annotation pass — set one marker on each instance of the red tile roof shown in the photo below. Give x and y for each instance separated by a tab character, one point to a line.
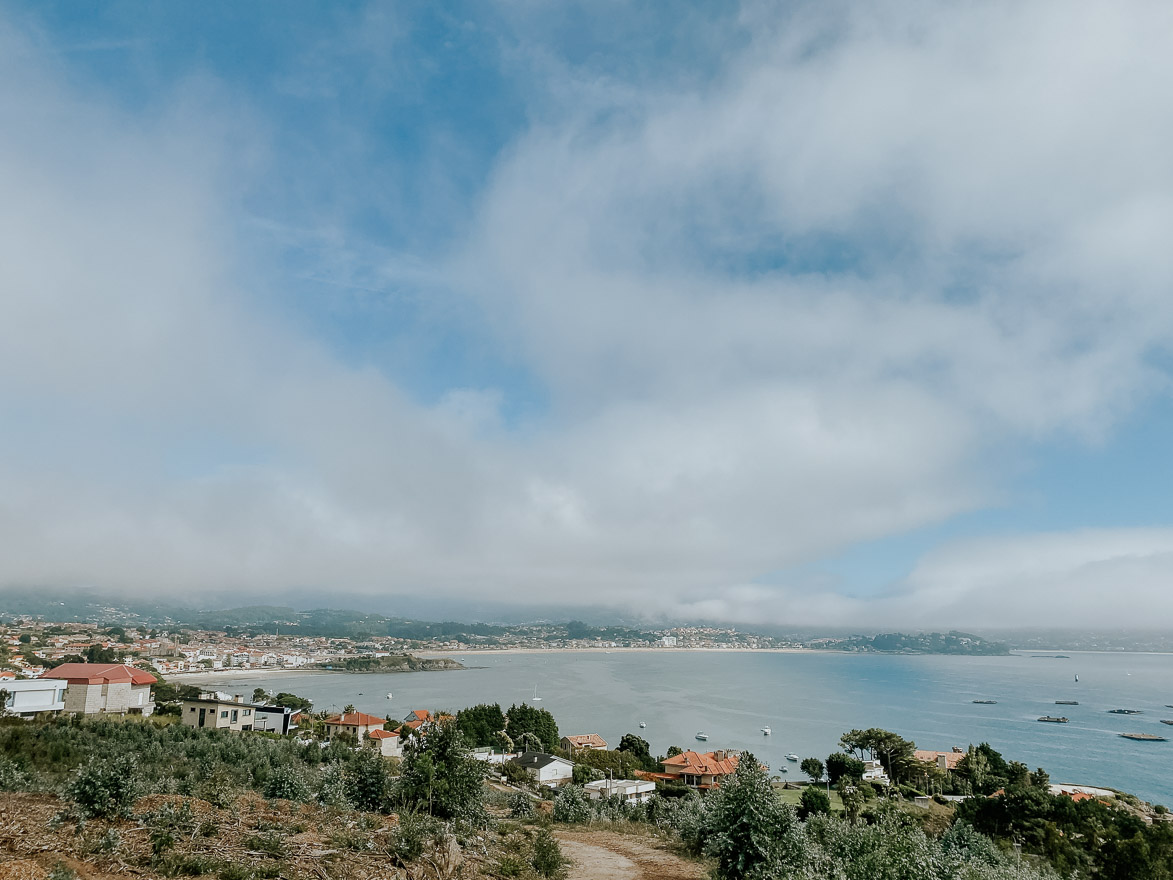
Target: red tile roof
100	673
417	718
586	741
700	764
383	734
952	759
357	719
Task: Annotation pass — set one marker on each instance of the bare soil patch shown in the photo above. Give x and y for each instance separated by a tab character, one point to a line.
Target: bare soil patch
607	855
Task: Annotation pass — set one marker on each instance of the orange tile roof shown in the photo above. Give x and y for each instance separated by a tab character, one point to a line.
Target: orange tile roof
417	718
357	719
100	673
952	759
700	764
586	740
383	734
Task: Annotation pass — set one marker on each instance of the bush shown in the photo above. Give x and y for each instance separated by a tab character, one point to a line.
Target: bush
571	806
813	802
416	834
368	781
548	860
521	806
517	775
286	783
105	789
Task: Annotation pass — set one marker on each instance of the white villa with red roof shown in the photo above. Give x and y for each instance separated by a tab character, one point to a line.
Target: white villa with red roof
105	688
357	723
388	742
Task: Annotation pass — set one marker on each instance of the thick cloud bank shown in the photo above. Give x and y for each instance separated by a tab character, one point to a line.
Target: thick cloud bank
809	303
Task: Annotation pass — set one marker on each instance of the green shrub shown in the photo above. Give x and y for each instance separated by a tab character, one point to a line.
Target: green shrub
286	783
521	806
105	788
416	834
547	860
571	806
270	843
813	802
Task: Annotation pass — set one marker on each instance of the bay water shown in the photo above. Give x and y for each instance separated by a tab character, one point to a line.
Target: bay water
807	699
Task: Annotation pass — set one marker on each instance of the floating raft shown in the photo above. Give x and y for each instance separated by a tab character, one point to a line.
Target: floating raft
1145	737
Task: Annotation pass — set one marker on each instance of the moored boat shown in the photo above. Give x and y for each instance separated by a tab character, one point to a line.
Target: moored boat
702	736
985	702
643	724
792	757
1067	702
1166	721
1124	711
1053	720
1145	737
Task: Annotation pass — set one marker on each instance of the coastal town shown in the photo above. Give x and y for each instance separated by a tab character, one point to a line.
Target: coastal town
30	647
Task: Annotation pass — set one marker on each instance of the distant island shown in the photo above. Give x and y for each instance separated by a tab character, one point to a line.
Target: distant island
391	663
952	642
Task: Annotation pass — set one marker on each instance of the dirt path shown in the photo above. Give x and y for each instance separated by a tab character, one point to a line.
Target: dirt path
605	855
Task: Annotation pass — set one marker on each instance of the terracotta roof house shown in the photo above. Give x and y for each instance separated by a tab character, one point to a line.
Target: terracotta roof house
417	718
583	741
358	723
105	688
387	742
943	760
703	770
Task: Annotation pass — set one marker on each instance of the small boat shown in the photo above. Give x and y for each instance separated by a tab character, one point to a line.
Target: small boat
792	757
535	698
1124	711
1166	721
701	735
643	724
1145	737
1053	720
766	731
388	695
1077	676
783	770
985	702
1067	702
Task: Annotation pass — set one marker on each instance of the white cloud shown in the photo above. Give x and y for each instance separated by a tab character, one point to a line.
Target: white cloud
989	182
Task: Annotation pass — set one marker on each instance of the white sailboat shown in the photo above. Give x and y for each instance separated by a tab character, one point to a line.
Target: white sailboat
535	698
766	731
388	695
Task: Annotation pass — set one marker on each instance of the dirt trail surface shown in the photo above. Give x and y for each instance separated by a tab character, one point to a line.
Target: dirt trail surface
604	855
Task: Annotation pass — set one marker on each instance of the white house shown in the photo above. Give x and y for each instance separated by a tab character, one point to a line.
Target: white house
873	771
27	697
631	791
101	688
388	742
668	642
359	724
547	769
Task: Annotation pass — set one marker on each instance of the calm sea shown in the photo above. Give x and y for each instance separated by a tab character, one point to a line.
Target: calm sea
809	700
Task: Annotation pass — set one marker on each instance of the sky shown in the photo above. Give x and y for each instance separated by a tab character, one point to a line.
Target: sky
813	313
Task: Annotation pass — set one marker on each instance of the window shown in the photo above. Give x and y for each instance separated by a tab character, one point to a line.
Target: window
224	713
192	709
247	712
234	716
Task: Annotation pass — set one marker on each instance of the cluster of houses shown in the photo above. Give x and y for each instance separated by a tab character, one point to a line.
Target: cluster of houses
117	689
